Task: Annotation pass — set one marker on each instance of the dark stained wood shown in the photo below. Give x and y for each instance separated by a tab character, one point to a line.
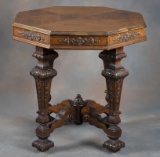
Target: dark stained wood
79	111
71	28
63	117
43	74
81	28
114	73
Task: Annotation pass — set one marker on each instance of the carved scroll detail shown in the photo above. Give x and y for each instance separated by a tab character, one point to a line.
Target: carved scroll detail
93	118
79	41
126	37
79	111
57	108
61	118
31	35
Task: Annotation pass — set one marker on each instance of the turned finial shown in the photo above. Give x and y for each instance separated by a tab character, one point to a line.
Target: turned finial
78	101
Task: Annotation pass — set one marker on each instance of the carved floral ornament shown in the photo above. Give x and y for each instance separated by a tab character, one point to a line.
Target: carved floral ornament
126	36
79	41
31	35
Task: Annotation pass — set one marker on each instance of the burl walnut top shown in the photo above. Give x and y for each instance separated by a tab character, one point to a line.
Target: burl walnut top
79	27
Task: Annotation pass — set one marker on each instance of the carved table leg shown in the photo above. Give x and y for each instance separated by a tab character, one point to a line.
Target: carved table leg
114	73
43	74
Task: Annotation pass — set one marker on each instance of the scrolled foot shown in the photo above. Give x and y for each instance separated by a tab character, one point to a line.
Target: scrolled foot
43	145
114	145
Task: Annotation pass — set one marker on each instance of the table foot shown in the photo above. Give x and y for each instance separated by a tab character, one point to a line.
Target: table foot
43	145
114	145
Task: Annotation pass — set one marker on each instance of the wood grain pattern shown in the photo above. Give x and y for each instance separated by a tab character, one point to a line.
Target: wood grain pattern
99	108
57	108
79	28
70	28
42	43
126	38
62	118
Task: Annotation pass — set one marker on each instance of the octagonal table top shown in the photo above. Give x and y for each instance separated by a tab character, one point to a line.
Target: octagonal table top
66	27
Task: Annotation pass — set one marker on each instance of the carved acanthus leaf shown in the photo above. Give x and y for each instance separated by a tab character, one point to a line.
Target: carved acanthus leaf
126	36
43	74
79	41
31	35
114	74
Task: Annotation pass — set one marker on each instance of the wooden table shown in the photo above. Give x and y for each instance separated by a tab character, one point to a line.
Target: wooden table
79	28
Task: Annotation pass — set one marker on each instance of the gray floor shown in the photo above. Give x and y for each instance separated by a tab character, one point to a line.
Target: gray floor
84	141
140	134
